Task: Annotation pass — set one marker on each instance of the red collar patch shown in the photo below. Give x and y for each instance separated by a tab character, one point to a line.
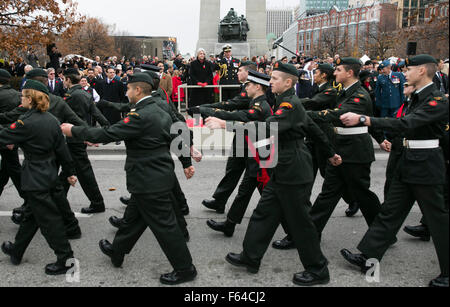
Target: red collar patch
13	126
433	103
126	120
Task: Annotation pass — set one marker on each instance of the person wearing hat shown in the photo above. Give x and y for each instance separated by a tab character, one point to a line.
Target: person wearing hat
254	176
10	166
389	90
285	196
81	103
40	137
229	68
354	145
147	136
420	174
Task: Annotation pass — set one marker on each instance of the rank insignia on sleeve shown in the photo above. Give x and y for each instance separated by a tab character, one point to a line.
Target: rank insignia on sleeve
446	128
286	105
133	113
126	120
361	95
433	103
324	113
438	98
21	122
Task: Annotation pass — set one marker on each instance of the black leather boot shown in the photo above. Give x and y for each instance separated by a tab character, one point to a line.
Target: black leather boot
226	227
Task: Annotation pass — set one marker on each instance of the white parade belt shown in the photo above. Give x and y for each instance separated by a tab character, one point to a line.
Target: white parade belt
421	144
262	143
351	131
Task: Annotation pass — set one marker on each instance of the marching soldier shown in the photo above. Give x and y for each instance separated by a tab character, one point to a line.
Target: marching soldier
229	68
420	174
40	137
147	136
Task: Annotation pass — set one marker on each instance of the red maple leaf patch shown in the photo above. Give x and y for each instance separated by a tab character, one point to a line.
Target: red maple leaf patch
126	120
357	100
279	112
13	126
433	103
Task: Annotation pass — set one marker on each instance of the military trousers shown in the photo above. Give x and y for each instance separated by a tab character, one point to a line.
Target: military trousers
42	213
423	221
351	177
400	200
179	194
234	170
284	203
85	174
156	212
10	168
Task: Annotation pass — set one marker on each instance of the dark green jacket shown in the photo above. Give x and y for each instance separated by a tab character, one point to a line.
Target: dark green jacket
352	148
81	103
426	119
146	132
9	98
240	102
40	137
325	99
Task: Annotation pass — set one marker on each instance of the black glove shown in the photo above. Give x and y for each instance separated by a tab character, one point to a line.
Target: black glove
194	110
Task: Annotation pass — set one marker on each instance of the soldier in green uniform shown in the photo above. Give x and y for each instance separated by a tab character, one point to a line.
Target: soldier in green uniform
81	103
285	196
39	135
354	145
150	180
420	174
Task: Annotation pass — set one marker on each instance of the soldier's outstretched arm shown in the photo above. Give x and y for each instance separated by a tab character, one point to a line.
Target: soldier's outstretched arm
11	116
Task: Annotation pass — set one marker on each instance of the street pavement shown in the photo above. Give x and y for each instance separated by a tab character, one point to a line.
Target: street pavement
409	263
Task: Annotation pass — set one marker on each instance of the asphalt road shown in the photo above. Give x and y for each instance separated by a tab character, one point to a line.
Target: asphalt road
409	263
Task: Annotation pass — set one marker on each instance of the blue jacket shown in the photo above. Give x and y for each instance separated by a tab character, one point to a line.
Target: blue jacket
389	91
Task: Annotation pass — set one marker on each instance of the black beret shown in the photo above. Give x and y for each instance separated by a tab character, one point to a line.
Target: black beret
247	63
286	68
325	68
420	60
308	60
150	68
5	74
71	71
36	85
258	78
141	77
37	72
347	61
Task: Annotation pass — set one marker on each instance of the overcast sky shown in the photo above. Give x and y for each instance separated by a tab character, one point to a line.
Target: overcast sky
173	18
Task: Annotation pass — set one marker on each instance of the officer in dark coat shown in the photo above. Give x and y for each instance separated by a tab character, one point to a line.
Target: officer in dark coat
150	179
285	196
40	137
420	174
10	165
228	67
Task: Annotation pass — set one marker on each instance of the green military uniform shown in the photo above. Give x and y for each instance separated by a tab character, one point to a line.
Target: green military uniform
150	180
40	137
357	153
419	176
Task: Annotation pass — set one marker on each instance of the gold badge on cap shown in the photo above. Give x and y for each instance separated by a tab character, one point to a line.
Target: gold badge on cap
276	65
338	61
407	61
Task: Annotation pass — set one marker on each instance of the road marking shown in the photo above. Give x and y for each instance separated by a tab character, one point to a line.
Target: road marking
78	215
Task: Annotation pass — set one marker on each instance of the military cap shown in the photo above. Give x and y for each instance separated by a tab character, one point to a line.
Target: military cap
385	63
152	74
258	78
141	77
325	67
347	61
147	67
5	74
71	71
247	63
286	68
308	60
420	60
36	72
227	48
36	85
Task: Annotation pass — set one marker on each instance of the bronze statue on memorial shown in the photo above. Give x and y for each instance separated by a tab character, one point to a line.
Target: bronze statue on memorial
233	28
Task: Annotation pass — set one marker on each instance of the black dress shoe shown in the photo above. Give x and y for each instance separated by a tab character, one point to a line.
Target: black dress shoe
8	249
93	210
214	205
440	282
284	244
226	227
74	235
115	221
353	208
107	249
307	279
356	259
125	200
236	260
422	232
185	210
17	218
179	277
57	268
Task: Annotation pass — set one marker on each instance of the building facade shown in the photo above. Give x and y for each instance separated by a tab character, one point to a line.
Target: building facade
279	21
157	46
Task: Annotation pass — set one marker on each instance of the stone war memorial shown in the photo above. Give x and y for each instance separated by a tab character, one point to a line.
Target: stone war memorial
246	33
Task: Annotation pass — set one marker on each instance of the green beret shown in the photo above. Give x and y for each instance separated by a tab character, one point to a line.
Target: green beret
247	63
286	68
36	85
325	68
5	74
141	77
420	60
347	61
36	72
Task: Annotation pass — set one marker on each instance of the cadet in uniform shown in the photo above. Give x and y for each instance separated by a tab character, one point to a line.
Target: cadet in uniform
82	104
228	67
354	145
39	135
285	196
150	180
420	174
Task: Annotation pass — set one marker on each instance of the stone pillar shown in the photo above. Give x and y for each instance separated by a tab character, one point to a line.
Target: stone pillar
257	19
209	25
